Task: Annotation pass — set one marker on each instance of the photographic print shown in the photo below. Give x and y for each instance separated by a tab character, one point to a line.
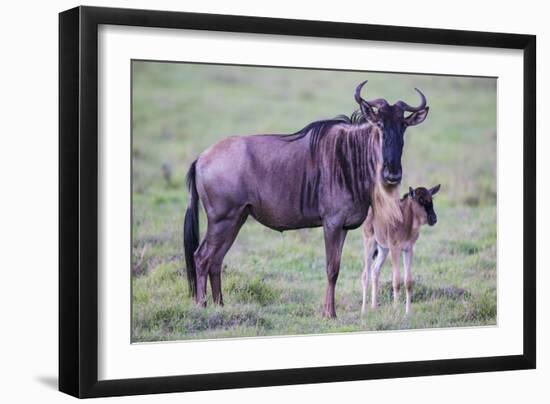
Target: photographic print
270	201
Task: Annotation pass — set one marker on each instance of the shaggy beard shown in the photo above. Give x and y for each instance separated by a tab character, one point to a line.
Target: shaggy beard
385	204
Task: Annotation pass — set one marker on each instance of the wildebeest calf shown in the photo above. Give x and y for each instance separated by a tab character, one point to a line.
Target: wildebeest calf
380	239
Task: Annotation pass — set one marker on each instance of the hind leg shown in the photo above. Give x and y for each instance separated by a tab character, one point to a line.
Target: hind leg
201	271
229	234
396	274
219	237
407	259
377	265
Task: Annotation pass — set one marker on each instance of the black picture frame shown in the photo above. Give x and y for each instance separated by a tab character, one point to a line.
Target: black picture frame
78	200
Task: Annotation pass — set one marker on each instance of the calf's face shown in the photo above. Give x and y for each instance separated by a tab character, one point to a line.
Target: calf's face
424	197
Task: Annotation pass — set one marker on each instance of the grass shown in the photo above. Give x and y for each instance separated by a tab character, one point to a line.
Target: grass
274	283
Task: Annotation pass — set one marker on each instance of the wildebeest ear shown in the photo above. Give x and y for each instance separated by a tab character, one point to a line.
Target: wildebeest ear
411	192
417	118
435	189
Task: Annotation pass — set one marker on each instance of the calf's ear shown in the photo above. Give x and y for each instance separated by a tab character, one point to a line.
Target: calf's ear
411	192
417	118
435	189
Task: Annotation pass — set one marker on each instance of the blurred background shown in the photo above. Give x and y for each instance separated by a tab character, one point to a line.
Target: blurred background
274	283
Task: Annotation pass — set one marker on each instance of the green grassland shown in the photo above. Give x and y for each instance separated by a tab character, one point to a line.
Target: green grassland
274	283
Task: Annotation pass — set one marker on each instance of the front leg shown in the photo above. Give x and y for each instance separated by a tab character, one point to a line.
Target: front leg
335	235
369	244
396	273
381	255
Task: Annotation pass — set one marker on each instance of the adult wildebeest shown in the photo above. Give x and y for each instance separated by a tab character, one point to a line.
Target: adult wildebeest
327	174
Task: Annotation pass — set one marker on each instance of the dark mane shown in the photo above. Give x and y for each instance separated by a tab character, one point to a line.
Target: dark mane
350	165
357	117
318	129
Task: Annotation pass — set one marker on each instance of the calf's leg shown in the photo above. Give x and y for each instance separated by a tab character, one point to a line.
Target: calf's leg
377	265
369	244
396	274
407	259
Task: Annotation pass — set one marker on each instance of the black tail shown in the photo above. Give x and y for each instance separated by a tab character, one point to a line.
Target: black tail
191	230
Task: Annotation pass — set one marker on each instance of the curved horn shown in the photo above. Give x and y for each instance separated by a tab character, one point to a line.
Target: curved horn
366	108
406	107
378	103
358	92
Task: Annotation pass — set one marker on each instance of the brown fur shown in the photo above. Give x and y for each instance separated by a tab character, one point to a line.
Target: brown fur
385	205
396	237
